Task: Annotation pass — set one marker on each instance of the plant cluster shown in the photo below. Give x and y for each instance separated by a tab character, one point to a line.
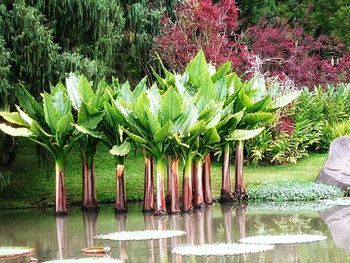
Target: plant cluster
184	116
293	192
309	125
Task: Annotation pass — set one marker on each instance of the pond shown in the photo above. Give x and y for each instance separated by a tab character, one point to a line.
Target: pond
64	237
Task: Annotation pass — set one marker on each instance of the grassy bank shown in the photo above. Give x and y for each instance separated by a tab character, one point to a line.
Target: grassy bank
32	183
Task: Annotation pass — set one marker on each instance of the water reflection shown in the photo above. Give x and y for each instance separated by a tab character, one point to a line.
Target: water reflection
58	238
337	219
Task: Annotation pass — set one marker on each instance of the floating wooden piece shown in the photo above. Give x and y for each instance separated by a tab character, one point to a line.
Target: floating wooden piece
96	250
15	252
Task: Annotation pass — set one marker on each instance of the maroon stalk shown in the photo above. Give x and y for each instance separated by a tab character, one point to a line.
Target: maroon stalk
120	196
198	185
226	192
174	190
240	191
89	189
148	197
208	198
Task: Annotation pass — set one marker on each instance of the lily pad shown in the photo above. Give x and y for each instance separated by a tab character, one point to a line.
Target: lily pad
141	235
14	252
282	239
87	260
220	249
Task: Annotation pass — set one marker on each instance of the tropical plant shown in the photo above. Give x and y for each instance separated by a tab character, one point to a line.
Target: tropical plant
89	106
260	109
50	125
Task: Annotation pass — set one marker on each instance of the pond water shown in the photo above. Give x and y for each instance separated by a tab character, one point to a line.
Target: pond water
64	237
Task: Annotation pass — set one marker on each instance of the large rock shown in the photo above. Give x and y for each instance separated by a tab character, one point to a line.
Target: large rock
337	168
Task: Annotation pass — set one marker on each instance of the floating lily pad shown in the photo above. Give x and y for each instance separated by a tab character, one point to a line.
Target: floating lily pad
141	235
14	252
87	260
282	239
221	249
338	201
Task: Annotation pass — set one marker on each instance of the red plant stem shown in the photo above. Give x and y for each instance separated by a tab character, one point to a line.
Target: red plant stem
148	198
208	199
120	200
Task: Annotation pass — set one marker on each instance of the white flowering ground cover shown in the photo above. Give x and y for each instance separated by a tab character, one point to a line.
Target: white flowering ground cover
87	260
281	239
141	235
12	252
220	249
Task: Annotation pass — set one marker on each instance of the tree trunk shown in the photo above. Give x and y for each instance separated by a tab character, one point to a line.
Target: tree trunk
240	192
198	185
89	189
148	197
161	171
208	198
174	190
187	187
226	192
120	196
61	200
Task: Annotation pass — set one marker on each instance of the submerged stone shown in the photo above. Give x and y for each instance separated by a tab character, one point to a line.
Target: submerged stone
336	171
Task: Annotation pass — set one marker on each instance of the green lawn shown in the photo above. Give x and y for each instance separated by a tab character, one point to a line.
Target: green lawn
33	183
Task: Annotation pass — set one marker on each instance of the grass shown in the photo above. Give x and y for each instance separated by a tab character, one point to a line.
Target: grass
32	183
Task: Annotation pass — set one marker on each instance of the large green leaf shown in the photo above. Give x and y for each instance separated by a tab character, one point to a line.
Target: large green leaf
134	137
242	135
88	117
16	132
29	104
198	128
260	105
60	101
84	130
64	125
284	100
13	117
220	89
221	71
121	150
52	116
212	136
258	117
85	89
171	106
163	132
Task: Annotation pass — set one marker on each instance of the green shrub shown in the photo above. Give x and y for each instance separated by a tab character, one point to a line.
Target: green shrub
293	192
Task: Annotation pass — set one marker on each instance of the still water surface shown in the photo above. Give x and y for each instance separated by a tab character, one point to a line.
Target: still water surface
64	237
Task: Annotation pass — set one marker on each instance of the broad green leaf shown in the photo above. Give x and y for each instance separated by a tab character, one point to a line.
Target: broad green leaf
52	116
112	115
140	87
198	128
29	104
242	135
85	89
163	132
60	101
221	71
64	125
212	136
89	118
98	99
13	117
134	137
72	89
84	130
154	99
220	89
186	121
258	117
39	131
126	93
121	150
284	100
171	106
260	105
16	132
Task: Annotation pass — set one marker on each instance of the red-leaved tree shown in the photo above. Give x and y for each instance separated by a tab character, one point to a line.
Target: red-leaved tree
201	24
290	52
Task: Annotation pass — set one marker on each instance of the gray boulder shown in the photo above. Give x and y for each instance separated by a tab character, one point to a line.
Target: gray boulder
337	168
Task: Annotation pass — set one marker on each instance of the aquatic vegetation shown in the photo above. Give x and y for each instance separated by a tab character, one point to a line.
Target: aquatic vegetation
282	239
220	249
141	235
14	252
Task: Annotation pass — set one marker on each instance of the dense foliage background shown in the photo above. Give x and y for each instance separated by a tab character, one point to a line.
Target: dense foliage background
301	43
